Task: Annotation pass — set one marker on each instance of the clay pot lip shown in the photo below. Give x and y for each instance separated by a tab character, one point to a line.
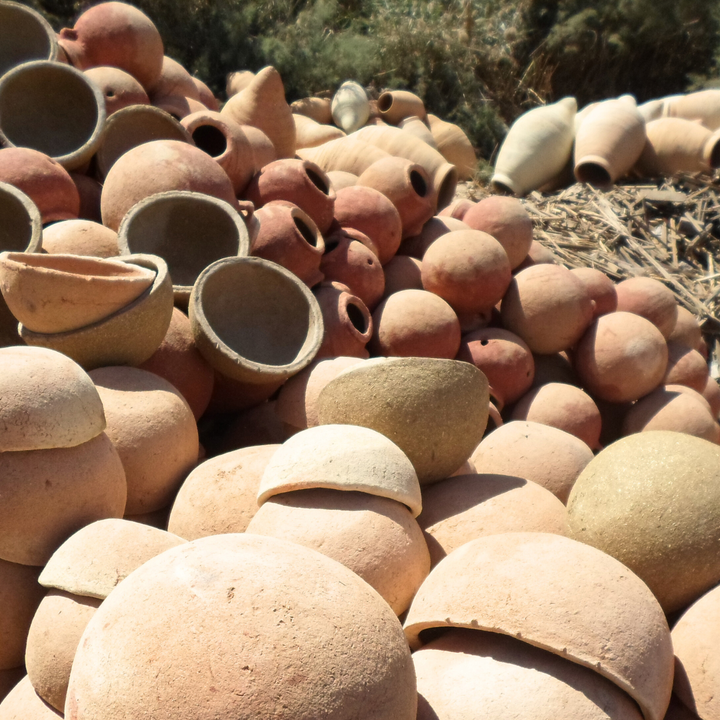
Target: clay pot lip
211	118
349	299
594	170
35	244
504	184
42	263
37	17
297	213
246	370
75	159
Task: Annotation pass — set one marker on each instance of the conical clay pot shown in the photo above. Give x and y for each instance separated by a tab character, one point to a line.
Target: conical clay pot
350	106
26	35
347	323
453	144
80	237
238	81
120	89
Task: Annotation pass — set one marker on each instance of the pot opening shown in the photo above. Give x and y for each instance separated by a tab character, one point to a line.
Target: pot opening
715	155
418	183
210	140
317	181
593	174
16	228
330	246
501	188
385	102
306	232
446	193
357	318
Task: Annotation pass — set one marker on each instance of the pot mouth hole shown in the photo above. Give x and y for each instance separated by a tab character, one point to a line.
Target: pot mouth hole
210	140
330	246
501	188
715	156
306	232
357	318
484	342
593	174
317	181
385	102
110	94
418	183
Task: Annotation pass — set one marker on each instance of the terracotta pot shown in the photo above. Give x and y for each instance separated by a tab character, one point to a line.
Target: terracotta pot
179	106
238	81
687	330
600	288
417	128
340	628
350	107
178	361
316	108
21	229
621	357
652	109
686	367
434	228
154	431
309	133
170	225
37	90
434	410
548	307
538	254
80	237
289	237
262	104
467	268
220	495
609	141
20	595
396	105
119	88
300	182
650	299
43	180
348	154
554	368
619	506
454	145
347	323
263	150
529	590
90	191
270	327
712	394
119	35
255	426
157	167
536	148
703	105
23	702
457	208
205	95
507	221
26	35
232	396
402	273
341	180
174	80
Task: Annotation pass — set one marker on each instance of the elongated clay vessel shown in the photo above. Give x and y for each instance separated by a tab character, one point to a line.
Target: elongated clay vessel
318	109
703	105
454	145
310	133
348	154
396	105
536	148
419	129
24	35
237	81
350	106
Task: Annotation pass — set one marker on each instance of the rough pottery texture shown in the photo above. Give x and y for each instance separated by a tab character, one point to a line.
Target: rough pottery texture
80	237
347	323
650	299
23	703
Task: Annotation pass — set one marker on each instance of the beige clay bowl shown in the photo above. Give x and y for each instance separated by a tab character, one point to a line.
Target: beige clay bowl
24	35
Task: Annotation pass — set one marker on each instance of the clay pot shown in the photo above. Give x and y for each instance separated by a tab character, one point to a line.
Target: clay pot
434	410
20	595
609	141
712	394
457	208
26	35
232	396
23	703
396	105
115	339
38	90
160	166
373	213
119	88
527	585
21	228
621	357
238	81
269	328
80	237
170	224
536	148
220	495
565	407
703	105
119	35
538	254
300	182
347	323
466	507
341	180
205	95
43	180
348	154
46	401
600	288
350	107
262	104
90	191
466	669
174	80
178	106
256	426
263	150
507	221
687	330
417	128
554	368
316	108
467	268
61	293
686	367
434	228
402	273
340	628
309	133
650	299
548	307
179	362
453	144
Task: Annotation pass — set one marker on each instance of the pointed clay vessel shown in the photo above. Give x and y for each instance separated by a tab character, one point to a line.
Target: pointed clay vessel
454	145
348	154
347	323
120	89
350	106
316	108
238	81
311	134
26	35
703	105
417	128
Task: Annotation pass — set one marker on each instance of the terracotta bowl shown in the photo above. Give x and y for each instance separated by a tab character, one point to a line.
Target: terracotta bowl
26	35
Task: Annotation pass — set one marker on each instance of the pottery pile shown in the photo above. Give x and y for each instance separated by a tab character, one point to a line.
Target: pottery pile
268	387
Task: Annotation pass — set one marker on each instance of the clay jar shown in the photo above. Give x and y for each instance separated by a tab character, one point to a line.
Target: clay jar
687	331
316	108
548	307
621	357
434	228
650	299
686	367
300	182
309	133
237	81
38	90
120	89
341	180
154	431
550	457
332	610
80	237
350	107
453	144
618	502
396	105
89	191
467	268
347	323
402	273
600	288
529	590
174	81
348	154
505	360
26	35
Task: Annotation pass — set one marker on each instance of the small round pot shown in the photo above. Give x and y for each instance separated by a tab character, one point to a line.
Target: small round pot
120	89
347	323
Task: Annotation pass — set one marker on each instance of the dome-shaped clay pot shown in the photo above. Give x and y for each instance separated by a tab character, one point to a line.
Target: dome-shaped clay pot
46	401
80	237
562	406
712	394
61	293
548	307
309	133
419	129
505	360
550	457
375	537
467	268
54	109
350	106
402	273
396	105
154	431
20	596
686	367
434	410
120	89
21	227
43	180
600	288
189	230
529	585
319	641
466	507
316	108
650	299
50	494
347	323
156	167
467	669
621	357
115	339
554	368
687	330
89	191
348	154
220	495
454	145
507	221
434	228
415	323
26	35
619	504
174	80
23	703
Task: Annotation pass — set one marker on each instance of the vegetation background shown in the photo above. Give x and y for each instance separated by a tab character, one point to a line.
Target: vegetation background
479	63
